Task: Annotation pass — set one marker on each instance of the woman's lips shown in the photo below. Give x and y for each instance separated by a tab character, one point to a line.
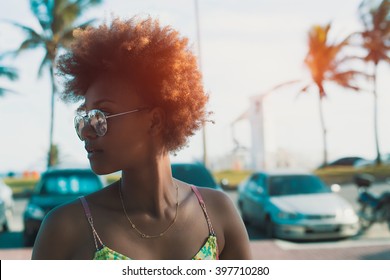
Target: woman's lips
92	151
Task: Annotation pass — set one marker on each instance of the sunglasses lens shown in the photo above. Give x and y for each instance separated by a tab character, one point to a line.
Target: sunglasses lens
98	121
79	125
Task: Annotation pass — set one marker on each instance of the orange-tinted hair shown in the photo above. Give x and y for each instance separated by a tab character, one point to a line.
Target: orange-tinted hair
154	59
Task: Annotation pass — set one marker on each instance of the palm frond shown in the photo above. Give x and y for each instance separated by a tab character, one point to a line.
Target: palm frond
28	30
28	44
67	35
3	91
45	61
42	10
304	89
376	34
85	4
8	72
65	14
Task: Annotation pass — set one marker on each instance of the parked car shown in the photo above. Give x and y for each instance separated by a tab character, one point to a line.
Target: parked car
345	161
385	158
55	187
295	206
6	196
195	174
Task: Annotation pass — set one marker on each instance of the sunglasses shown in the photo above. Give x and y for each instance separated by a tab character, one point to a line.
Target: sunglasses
97	120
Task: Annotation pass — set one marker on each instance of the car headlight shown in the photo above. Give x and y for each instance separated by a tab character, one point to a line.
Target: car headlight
35	212
287	215
346	213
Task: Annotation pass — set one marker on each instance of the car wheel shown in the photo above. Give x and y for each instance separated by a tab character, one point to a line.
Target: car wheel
269	228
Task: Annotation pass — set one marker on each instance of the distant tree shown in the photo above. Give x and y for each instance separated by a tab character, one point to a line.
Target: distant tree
57	19
376	41
9	73
54	156
327	62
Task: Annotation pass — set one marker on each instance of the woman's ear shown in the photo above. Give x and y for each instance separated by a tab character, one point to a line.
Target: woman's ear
157	120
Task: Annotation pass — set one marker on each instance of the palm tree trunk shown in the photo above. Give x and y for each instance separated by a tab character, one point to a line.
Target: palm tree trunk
324	132
50	161
378	154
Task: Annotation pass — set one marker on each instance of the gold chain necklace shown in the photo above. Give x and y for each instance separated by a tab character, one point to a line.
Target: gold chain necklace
143	235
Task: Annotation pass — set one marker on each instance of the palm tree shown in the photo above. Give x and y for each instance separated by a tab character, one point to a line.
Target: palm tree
326	62
376	41
9	73
57	19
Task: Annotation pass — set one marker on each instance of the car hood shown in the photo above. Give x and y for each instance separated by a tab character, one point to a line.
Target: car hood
47	202
311	204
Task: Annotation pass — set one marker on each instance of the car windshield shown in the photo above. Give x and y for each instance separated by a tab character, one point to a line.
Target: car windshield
193	174
296	184
70	184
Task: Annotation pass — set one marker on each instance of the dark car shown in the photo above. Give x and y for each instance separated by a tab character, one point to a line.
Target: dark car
195	174
295	206
55	187
345	161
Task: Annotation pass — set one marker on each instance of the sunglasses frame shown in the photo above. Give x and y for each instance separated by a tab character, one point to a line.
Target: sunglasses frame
87	120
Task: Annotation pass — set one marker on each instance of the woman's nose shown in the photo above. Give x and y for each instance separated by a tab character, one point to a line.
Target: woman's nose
87	131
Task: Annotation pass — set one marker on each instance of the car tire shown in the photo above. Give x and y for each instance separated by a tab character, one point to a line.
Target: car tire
269	228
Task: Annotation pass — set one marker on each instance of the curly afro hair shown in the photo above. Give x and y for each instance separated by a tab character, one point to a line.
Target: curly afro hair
157	62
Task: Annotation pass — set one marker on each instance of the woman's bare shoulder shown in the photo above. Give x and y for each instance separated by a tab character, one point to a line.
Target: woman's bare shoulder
60	232
216	199
227	223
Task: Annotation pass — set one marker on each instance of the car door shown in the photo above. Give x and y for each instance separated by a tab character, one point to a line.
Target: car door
256	198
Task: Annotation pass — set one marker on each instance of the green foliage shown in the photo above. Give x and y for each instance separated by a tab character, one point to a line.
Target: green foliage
9	73
234	177
345	174
20	185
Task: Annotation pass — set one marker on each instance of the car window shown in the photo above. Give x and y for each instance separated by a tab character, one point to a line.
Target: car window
256	183
70	184
296	184
193	174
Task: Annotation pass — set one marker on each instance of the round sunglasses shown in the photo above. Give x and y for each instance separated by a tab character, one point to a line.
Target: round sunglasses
97	120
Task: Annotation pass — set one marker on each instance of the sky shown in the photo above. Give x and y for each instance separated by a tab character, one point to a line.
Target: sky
247	47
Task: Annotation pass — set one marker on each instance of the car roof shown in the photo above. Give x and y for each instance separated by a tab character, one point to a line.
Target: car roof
187	164
67	170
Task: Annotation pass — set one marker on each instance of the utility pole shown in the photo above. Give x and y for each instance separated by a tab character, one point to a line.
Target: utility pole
205	161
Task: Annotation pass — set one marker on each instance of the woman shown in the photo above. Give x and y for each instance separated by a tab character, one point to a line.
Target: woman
142	98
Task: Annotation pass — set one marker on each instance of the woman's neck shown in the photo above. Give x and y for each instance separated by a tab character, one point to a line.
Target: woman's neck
149	189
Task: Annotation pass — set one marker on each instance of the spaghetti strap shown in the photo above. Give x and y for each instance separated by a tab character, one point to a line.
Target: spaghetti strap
88	214
203	206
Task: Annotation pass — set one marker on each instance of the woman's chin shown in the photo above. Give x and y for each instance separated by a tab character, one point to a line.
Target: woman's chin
101	169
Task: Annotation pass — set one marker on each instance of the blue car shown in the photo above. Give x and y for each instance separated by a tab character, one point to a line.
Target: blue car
295	206
55	187
195	174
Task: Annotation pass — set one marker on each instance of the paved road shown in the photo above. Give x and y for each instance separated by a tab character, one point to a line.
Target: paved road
374	244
